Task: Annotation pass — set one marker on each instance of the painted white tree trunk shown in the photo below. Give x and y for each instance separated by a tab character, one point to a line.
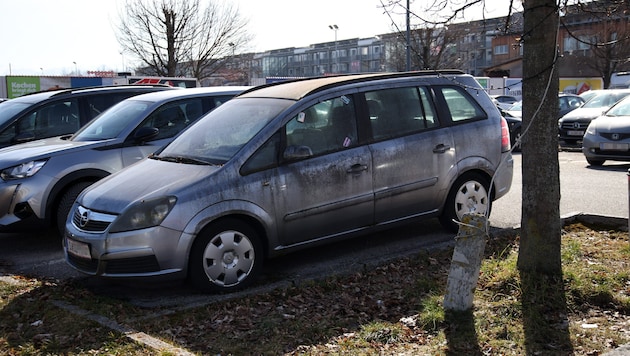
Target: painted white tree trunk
466	262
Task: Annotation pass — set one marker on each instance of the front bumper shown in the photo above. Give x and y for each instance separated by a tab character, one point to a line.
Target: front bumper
156	253
598	148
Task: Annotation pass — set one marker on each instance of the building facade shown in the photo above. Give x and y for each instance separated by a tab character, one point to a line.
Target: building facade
484	48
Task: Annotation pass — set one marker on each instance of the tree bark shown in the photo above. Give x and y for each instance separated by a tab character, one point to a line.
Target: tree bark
540	221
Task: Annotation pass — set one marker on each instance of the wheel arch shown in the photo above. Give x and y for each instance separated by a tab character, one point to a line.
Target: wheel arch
252	215
58	190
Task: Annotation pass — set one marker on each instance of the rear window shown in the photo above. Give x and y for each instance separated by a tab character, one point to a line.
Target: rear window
400	111
460	105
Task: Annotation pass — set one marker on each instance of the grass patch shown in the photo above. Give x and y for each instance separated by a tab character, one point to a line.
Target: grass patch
390	309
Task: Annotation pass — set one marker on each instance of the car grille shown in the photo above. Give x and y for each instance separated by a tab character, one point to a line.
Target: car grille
145	264
132	265
615	136
574	125
83	264
87	220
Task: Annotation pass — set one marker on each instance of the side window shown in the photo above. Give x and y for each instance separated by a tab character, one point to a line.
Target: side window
218	100
266	157
170	119
99	103
400	111
54	119
324	127
460	105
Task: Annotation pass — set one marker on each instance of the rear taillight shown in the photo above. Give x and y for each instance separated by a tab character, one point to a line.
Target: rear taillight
505	136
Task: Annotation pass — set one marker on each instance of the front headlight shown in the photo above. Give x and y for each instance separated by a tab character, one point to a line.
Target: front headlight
23	170
143	214
592	128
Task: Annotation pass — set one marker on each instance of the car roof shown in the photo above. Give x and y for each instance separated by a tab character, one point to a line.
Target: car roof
170	94
47	94
299	88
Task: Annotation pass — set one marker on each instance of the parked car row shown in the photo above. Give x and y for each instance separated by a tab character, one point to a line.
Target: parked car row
278	168
601	122
573	125
513	115
41	179
60	112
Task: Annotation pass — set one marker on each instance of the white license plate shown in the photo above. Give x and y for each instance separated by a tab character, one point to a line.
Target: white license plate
575	133
78	249
608	146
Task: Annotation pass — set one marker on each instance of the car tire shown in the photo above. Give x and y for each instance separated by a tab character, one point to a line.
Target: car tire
225	257
469	194
595	162
65	204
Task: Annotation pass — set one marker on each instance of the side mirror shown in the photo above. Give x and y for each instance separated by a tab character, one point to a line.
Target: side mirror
145	134
293	153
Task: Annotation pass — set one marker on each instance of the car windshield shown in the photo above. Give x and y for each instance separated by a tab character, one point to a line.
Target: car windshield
10	108
113	121
217	137
603	100
620	109
517	106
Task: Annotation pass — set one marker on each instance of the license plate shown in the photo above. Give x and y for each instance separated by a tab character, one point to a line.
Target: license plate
608	146
575	133
78	249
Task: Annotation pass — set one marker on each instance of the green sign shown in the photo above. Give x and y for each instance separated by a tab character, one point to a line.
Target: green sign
18	86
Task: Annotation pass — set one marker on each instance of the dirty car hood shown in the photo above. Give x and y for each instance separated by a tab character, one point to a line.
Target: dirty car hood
43	149
144	180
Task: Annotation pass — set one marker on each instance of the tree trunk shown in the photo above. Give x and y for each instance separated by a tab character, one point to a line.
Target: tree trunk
540	221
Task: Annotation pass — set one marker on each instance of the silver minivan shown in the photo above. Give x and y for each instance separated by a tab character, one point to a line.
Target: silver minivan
290	165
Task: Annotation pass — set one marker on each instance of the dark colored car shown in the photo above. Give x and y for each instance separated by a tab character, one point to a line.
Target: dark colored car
39	180
566	103
571	127
60	112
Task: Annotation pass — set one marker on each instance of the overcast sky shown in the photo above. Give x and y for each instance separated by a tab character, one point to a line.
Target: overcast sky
57	37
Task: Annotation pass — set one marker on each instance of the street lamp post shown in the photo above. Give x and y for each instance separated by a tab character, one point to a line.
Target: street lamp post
76	71
335	28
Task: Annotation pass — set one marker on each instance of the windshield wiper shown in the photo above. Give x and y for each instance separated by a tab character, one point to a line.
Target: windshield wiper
180	159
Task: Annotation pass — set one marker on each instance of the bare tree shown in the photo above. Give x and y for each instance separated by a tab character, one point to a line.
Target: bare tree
608	48
180	37
539	249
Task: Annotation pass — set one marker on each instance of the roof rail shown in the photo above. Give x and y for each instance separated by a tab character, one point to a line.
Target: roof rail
360	77
62	91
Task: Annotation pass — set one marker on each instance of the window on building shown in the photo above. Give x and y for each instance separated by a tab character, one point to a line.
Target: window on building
501	49
569	44
585	42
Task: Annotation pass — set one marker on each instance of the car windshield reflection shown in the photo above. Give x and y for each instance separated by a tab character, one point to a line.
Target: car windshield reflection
219	136
112	122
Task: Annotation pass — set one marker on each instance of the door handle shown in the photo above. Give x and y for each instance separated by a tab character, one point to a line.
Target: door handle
357	168
441	148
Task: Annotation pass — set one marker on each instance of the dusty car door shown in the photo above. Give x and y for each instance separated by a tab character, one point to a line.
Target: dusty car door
413	155
324	186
